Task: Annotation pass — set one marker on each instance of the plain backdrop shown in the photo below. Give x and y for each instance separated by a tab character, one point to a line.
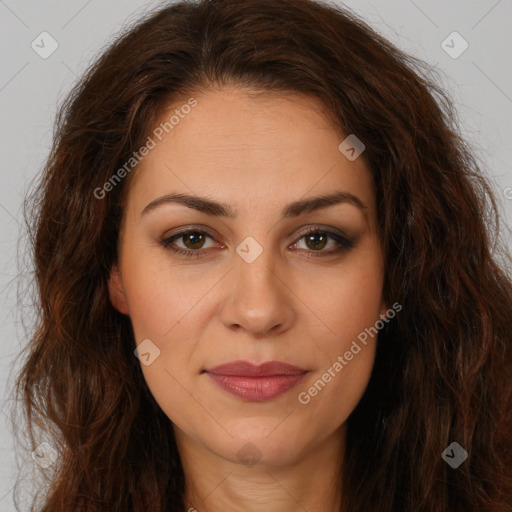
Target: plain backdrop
479	80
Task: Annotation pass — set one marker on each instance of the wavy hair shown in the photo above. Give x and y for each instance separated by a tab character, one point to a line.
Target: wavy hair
443	366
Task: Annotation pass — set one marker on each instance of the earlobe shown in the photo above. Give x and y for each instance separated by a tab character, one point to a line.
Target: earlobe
116	291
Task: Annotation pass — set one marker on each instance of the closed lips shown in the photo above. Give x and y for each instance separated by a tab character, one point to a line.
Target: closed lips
246	369
256	383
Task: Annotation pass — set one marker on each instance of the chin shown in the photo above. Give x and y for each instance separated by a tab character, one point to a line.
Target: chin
258	452
260	442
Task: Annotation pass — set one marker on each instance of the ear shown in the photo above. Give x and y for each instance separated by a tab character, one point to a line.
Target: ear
116	291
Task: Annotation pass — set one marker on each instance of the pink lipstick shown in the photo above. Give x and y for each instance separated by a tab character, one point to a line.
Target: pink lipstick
256	383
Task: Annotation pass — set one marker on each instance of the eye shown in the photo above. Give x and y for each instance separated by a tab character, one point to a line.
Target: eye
315	240
192	241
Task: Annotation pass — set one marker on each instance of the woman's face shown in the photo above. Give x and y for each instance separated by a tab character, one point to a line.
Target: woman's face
255	287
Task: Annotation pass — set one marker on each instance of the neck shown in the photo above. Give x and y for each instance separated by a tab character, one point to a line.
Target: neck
311	482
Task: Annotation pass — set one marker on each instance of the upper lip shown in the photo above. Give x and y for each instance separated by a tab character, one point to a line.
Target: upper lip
246	369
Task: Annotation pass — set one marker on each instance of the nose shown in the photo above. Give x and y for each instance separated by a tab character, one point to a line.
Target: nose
257	297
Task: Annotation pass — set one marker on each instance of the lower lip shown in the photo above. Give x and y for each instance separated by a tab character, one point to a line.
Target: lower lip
257	389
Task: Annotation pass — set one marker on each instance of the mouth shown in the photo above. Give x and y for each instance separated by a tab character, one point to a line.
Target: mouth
256	383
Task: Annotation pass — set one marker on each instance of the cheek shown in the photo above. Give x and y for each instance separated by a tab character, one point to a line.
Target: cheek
164	310
349	310
355	307
346	301
169	307
347	353
160	295
333	393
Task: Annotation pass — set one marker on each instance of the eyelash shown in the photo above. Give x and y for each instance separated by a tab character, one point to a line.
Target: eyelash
344	243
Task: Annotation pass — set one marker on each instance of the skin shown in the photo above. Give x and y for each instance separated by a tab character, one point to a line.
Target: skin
257	154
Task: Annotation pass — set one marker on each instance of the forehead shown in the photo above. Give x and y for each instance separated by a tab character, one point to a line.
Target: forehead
248	149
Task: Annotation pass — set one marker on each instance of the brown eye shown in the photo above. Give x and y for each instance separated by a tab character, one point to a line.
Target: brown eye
316	241
192	243
193	240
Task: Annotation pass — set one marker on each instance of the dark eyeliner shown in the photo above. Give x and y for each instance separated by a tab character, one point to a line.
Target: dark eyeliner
167	243
343	241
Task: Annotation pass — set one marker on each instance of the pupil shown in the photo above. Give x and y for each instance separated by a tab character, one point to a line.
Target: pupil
191	236
312	238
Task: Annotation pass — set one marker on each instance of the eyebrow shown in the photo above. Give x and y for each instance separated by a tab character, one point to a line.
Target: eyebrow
217	209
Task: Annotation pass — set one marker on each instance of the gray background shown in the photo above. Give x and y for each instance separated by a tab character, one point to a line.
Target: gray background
479	81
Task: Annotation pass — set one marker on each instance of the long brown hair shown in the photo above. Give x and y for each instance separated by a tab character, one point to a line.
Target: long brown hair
443	366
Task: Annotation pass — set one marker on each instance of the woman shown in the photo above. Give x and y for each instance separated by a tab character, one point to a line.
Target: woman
263	257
